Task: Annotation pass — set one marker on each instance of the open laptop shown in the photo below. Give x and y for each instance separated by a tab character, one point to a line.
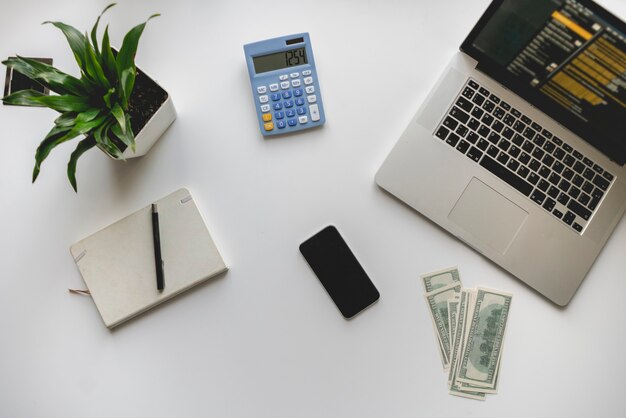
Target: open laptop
519	149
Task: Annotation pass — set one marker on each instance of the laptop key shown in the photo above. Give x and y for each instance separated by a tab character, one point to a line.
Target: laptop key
548	160
587	187
494	138
506	106
459	114
584	199
543	185
601	182
482	144
567	147
578	181
518	140
499	113
493	151
564	185
472	137
554	178
544	171
589	173
468	92
504	144
597	169
473	84
484	91
524	158
513	165
508	133
516	113
574	192
537	197
514	151
557	213
549	204
558	167
579	209
533	178
563	199
462	131
506	175
553	192
474	153
523	171
503	158
478	99
473	124
568	174
569	218
569	160
494	98
577	227
608	176
463	146
450	123
497	126
509	119
464	104
442	132
559	153
452	139
487	119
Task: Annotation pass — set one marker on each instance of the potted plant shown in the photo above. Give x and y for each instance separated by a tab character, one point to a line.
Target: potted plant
114	105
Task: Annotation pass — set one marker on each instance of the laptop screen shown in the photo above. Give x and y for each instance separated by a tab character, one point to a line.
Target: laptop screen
566	57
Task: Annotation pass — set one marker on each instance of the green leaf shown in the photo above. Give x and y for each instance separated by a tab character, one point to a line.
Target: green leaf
108	59
118	113
66	119
75	39
94	70
82	146
46	75
94	31
128	138
127	83
84	123
65	103
102	138
126	57
50	141
24	98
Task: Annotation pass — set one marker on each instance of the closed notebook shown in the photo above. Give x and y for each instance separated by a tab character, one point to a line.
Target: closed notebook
118	264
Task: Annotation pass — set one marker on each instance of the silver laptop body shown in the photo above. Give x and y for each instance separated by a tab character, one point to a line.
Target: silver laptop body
459	193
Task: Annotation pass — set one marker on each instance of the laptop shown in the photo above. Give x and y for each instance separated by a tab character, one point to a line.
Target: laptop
519	148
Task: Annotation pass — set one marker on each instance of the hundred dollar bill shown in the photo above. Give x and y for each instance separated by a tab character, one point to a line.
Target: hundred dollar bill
440	278
479	359
453	311
437	301
465	309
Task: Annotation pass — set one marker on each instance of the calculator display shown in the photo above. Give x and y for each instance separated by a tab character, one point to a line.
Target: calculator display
278	60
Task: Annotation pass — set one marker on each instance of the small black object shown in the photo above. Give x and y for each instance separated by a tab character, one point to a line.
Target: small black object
158	261
15	81
339	271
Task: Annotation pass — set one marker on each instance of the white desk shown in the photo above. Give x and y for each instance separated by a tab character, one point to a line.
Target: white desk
265	340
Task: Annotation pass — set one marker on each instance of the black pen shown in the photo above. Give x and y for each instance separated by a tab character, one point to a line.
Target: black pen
158	262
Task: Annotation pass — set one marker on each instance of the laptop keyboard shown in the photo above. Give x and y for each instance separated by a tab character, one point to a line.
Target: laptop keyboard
519	151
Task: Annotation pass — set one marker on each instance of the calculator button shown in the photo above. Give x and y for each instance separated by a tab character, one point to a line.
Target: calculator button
275	97
290	113
265	108
288	103
261	89
268	126
300	101
301	111
309	89
281	124
286	94
279	115
315	112
292	122
284	85
297	92
273	87
308	80
295	83
303	119
306	72
312	98
294	75
283	77
278	106
267	117
264	98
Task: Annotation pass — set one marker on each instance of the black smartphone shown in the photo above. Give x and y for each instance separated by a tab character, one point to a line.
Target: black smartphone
339	271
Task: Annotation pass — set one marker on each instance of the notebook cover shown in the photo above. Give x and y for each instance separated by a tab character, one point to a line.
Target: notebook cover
117	262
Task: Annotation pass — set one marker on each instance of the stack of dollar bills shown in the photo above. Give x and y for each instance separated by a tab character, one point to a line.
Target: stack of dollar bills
470	326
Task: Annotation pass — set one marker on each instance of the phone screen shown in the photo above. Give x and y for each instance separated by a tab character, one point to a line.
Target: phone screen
339	271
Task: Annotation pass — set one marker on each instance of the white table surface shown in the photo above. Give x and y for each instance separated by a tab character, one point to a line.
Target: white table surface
265	340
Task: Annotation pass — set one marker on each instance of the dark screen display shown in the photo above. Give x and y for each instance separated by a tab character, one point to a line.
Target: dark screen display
339	271
566	59
279	60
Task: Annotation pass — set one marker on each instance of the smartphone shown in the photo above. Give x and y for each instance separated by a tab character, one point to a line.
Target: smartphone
339	271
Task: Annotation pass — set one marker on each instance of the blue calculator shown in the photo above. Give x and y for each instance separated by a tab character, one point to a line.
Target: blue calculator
284	83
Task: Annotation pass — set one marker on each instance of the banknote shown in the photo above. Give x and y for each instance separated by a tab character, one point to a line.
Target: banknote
437	302
453	311
479	358
441	278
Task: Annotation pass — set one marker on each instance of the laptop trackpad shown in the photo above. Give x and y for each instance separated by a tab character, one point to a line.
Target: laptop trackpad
490	217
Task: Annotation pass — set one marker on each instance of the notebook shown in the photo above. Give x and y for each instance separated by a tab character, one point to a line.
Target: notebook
118	266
